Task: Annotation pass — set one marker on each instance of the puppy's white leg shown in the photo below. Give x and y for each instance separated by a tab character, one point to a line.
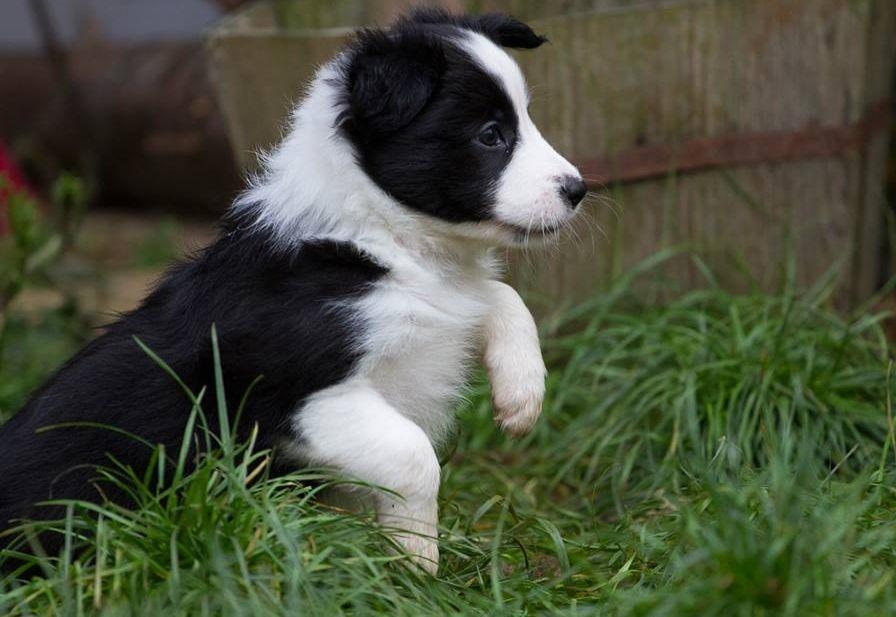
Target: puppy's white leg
513	360
354	430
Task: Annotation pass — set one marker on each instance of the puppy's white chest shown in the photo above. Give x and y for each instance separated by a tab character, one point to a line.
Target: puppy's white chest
422	338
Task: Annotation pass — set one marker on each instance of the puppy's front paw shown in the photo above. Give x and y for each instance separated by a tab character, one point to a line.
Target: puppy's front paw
418	540
423	551
517	409
414	527
517	390
512	357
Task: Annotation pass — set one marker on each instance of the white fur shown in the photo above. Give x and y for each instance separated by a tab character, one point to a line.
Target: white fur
378	445
425	320
513	360
528	195
423	336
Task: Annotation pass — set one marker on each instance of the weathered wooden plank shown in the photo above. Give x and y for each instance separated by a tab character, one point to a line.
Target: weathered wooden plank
691	70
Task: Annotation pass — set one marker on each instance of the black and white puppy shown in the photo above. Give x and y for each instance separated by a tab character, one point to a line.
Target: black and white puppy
355	275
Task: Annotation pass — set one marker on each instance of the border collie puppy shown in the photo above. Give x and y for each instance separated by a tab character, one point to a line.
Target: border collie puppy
355	275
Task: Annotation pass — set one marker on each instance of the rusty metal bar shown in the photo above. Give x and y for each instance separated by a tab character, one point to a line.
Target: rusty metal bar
810	142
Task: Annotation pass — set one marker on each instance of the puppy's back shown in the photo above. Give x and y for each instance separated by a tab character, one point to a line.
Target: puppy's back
284	316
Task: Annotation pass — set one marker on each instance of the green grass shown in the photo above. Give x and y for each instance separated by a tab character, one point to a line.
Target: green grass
716	455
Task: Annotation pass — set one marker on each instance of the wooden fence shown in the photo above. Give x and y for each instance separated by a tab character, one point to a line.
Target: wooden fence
750	129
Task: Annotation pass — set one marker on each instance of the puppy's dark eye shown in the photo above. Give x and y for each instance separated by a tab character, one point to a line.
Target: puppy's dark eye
491	136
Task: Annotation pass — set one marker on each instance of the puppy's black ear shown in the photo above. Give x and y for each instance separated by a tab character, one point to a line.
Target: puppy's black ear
508	31
390	78
502	29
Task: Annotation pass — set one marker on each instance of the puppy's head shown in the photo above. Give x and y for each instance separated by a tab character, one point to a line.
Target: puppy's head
436	111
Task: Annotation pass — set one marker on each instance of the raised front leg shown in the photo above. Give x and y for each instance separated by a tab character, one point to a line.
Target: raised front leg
355	431
513	360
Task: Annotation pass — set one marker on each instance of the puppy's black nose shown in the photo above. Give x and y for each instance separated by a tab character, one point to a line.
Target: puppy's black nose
573	190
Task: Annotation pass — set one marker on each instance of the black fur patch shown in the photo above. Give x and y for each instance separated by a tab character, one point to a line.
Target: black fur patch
501	28
415	102
390	80
275	318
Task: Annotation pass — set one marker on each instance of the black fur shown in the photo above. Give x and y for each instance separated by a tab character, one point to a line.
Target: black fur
501	28
415	102
389	80
273	312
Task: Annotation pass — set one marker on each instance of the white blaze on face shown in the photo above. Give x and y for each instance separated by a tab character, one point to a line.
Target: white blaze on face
528	194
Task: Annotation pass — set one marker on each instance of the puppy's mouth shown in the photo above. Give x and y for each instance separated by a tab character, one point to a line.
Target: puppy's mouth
524	233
